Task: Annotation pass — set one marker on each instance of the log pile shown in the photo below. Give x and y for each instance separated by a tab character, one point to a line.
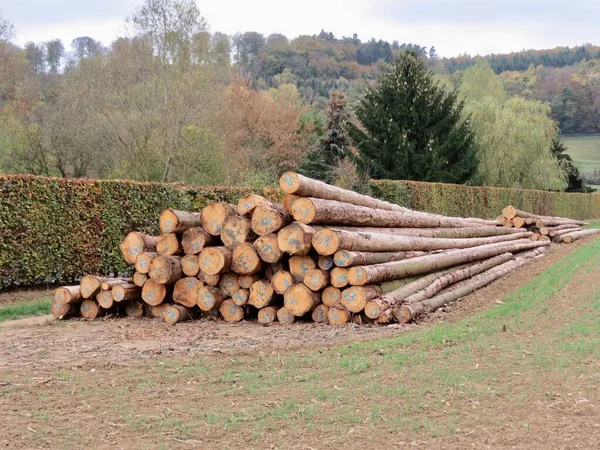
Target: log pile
325	254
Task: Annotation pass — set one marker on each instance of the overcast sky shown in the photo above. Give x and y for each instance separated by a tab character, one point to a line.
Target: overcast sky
452	26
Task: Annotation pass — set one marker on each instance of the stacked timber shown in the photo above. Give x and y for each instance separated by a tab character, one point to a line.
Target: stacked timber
325	254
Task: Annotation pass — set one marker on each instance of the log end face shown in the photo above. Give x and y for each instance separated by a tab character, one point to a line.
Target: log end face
231	312
118	293
298	299
331	296
89	286
326	242
168	221
167	244
338	316
153	293
304	210
245	259
62	296
208	298
211	261
372	310
284	316
240	297
342	258
289	182
267	315
320	314
134	309
403	314
339	277
357	276
354	299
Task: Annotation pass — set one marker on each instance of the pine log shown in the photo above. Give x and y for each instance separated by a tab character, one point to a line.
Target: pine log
536	236
126	292
169	244
261	294
268	248
562	227
165	269
136	243
448	233
356	298
90	310
281	281
319	315
245	260
339	277
139	279
177	313
64	311
338	315
240	297
564	231
143	260
361	275
230	311
518	222
316	279
214	215
154	293
229	283
190	265
236	231
66	295
105	299
296	238
548	220
210	298
267	219
185	291
195	239
300	265
573	236
288	202
247	204
325	262
154	311
284	316
135	309
246	281
210	280
215	260
331	296
267	315
346	258
500	219
300	300
107	285
90	285
175	221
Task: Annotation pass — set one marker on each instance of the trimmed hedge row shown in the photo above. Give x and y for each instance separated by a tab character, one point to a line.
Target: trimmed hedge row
54	230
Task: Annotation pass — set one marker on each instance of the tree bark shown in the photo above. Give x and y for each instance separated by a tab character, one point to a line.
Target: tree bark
230	311
169	244
573	236
346	258
267	219
126	292
165	269
564	231
136	243
268	248
66	295
214	215
195	239
216	260
175	221
510	211
300	300
245	260
185	291
356	298
237	230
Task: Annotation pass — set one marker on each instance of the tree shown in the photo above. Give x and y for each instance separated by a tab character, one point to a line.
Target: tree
559	151
411	128
85	47
7	30
247	47
55	50
35	55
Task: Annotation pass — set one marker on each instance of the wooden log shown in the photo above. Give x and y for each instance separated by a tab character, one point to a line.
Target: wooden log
339	277
195	239
215	260
190	265
155	311
319	315
268	248
210	298
107	285
210	280
246	281
288	202
135	309
240	297
547	220
177	313
296	239
175	221
272	269
361	319
300	300
447	233
66	295
316	279
331	296
143	260
564	231
139	279
245	260
154	293
261	294
573	236
284	316
236	231
536	236
90	310
346	258
328	241
267	220
325	262
185	291
500	219
529	220
518	222
136	243
267	315
300	265
63	311
214	215
165	269
105	299
169	244
126	292
247	204
230	311
562	227
356	298
361	275
90	285
338	315
544	231
281	281
386	317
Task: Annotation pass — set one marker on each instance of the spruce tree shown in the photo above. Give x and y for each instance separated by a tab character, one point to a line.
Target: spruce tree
411	128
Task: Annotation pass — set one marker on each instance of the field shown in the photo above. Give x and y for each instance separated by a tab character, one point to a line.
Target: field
585	151
513	365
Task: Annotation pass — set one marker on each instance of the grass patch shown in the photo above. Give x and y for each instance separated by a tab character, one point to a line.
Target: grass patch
35	308
585	151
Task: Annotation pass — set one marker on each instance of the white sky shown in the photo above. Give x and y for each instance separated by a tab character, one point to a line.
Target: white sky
452	26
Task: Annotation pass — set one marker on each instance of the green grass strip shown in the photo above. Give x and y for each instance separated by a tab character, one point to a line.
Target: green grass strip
36	308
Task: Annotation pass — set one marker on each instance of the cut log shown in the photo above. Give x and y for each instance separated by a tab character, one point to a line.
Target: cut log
339	277
361	319
272	269
126	292
190	265
564	231
229	283
300	300
107	285
66	295
195	239
215	260
247	204
536	236
319	315
214	215
236	231
245	260
267	220
64	311
288	202
105	299
185	291
210	298
316	279
175	221
331	296
143	260
447	233
155	311
169	244
518	222
90	285
267	315
328	241
281	281
529	221
338	315
154	293
90	310
268	248
177	313
136	243
500	219
296	239
261	294
135	309
240	297
544	231
573	236
284	316
361	275
230	311
165	269
211	280
139	279
509	212
547	220
325	262
562	227
246	281
346	258
300	265
356	298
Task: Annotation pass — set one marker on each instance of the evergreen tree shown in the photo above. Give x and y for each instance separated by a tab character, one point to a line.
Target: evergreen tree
576	184
412	128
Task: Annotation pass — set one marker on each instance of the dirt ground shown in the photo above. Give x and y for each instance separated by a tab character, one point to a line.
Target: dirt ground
35	350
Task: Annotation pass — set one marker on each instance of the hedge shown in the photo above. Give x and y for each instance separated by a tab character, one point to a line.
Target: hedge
54	230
